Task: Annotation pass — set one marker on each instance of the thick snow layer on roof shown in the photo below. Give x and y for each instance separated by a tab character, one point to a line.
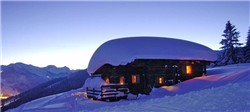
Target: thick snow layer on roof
125	50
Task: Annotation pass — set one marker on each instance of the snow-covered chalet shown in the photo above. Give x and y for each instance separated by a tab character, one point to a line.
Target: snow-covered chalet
137	64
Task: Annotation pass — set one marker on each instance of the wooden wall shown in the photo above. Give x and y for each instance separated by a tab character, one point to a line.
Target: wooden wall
152	73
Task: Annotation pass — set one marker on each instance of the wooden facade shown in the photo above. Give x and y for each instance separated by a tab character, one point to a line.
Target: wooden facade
142	75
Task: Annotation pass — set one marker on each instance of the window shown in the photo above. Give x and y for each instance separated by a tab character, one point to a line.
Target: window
161	80
122	80
189	69
135	79
107	80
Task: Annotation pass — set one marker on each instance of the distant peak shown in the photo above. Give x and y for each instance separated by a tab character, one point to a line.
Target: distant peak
51	66
19	63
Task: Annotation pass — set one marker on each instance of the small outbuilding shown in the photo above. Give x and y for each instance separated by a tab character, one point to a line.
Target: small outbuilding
142	63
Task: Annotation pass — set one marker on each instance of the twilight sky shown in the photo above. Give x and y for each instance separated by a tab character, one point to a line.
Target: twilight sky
67	33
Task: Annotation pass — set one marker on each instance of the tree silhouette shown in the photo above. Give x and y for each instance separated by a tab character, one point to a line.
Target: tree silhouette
247	48
230	45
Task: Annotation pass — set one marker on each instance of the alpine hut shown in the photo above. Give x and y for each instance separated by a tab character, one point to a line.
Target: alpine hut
138	64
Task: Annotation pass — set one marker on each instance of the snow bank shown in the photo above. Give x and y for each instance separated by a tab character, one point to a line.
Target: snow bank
94	82
217	77
125	50
229	98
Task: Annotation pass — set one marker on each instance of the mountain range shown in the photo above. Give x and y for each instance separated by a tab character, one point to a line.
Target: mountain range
20	77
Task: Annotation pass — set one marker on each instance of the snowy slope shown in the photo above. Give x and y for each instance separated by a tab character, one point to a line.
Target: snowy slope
19	77
224	89
125	50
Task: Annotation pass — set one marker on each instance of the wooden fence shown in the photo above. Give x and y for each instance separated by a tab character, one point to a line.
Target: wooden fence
108	92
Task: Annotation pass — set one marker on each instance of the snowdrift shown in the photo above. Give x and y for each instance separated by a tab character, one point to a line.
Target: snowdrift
125	50
94	82
216	77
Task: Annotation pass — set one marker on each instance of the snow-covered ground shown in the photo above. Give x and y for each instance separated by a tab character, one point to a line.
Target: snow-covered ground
225	88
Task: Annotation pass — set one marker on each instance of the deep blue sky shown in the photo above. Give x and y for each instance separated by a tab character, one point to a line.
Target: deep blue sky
68	33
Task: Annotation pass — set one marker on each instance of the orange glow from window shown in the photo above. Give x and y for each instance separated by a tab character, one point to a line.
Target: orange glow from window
122	80
188	69
133	79
171	88
107	80
160	80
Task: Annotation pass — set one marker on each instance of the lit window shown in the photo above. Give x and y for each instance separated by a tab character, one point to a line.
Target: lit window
133	79
107	80
122	80
161	80
188	69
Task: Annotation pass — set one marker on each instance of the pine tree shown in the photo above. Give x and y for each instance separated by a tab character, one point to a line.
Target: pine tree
230	45
247	48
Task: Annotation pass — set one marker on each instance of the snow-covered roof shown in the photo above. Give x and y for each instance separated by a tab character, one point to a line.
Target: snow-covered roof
125	50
